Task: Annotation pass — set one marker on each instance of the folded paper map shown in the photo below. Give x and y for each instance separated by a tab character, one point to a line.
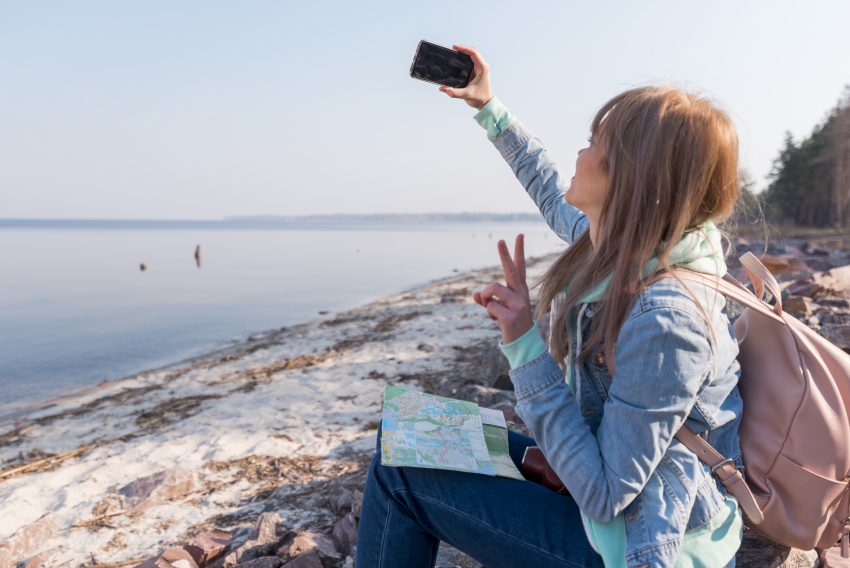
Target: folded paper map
425	430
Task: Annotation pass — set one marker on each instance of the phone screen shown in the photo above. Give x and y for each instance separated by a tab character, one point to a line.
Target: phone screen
441	65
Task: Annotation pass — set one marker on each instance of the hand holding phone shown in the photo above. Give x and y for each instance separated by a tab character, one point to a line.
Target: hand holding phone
461	71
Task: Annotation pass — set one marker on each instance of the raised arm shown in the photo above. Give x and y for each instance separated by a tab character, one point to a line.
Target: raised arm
523	151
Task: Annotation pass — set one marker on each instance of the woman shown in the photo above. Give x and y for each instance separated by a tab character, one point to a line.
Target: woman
660	168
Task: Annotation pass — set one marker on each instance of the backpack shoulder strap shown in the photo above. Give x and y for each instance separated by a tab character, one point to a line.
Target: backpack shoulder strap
761	278
725	471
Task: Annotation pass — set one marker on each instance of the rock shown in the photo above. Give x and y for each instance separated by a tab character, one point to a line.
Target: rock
261	542
155	562
758	551
174	556
833	302
157	488
345	534
340	500
448	557
520	429
839	334
39	559
813	250
543	328
799	306
804	287
836	282
451	299
356	504
832	558
509	411
819	264
309	560
499	368
485	396
265	530
206	547
783	263
298	542
27	540
263	562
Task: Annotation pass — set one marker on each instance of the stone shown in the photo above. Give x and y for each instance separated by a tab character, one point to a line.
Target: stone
498	376
157	488
298	542
509	411
27	540
833	302
486	396
449	557
814	250
356	504
345	534
261	542
836	282
798	305
340	500
263	562
758	551
38	559
206	547
309	560
838	334
265	530
832	558
174	556
804	287
155	562
781	264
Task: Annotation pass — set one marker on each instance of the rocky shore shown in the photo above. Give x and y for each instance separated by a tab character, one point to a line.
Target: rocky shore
255	456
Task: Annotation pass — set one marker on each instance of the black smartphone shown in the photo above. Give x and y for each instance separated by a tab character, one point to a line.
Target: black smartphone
441	65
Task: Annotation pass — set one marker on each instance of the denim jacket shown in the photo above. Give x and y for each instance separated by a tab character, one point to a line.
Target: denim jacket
615	450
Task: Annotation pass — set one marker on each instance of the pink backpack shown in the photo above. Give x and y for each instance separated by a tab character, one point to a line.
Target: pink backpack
795	428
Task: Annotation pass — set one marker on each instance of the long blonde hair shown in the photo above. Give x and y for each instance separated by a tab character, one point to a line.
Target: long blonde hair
672	161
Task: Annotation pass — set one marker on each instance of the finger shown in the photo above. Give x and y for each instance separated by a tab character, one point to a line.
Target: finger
498	312
519	256
511	274
497	293
472	53
449	91
481	302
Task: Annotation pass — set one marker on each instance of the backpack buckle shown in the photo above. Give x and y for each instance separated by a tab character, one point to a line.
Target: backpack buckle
721	464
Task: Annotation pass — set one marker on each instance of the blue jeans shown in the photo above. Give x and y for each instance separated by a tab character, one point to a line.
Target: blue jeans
500	522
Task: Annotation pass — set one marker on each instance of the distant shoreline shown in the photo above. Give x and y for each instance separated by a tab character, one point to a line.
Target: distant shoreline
271	222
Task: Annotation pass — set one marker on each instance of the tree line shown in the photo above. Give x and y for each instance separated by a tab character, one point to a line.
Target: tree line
810	182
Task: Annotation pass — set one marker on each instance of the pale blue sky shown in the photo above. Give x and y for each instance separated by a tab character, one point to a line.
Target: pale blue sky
200	110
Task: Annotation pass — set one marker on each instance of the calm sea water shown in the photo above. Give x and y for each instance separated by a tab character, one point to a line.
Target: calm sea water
75	309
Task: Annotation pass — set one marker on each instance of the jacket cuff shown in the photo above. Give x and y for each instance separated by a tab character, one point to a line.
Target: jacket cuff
524	349
494	117
535	376
512	139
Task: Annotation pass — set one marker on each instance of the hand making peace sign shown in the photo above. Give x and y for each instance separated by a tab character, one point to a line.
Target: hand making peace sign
509	306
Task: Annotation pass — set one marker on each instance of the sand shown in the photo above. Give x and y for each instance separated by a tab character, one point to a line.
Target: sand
273	423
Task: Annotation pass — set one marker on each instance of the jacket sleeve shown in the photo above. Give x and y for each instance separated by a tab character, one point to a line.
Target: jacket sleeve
539	175
662	358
